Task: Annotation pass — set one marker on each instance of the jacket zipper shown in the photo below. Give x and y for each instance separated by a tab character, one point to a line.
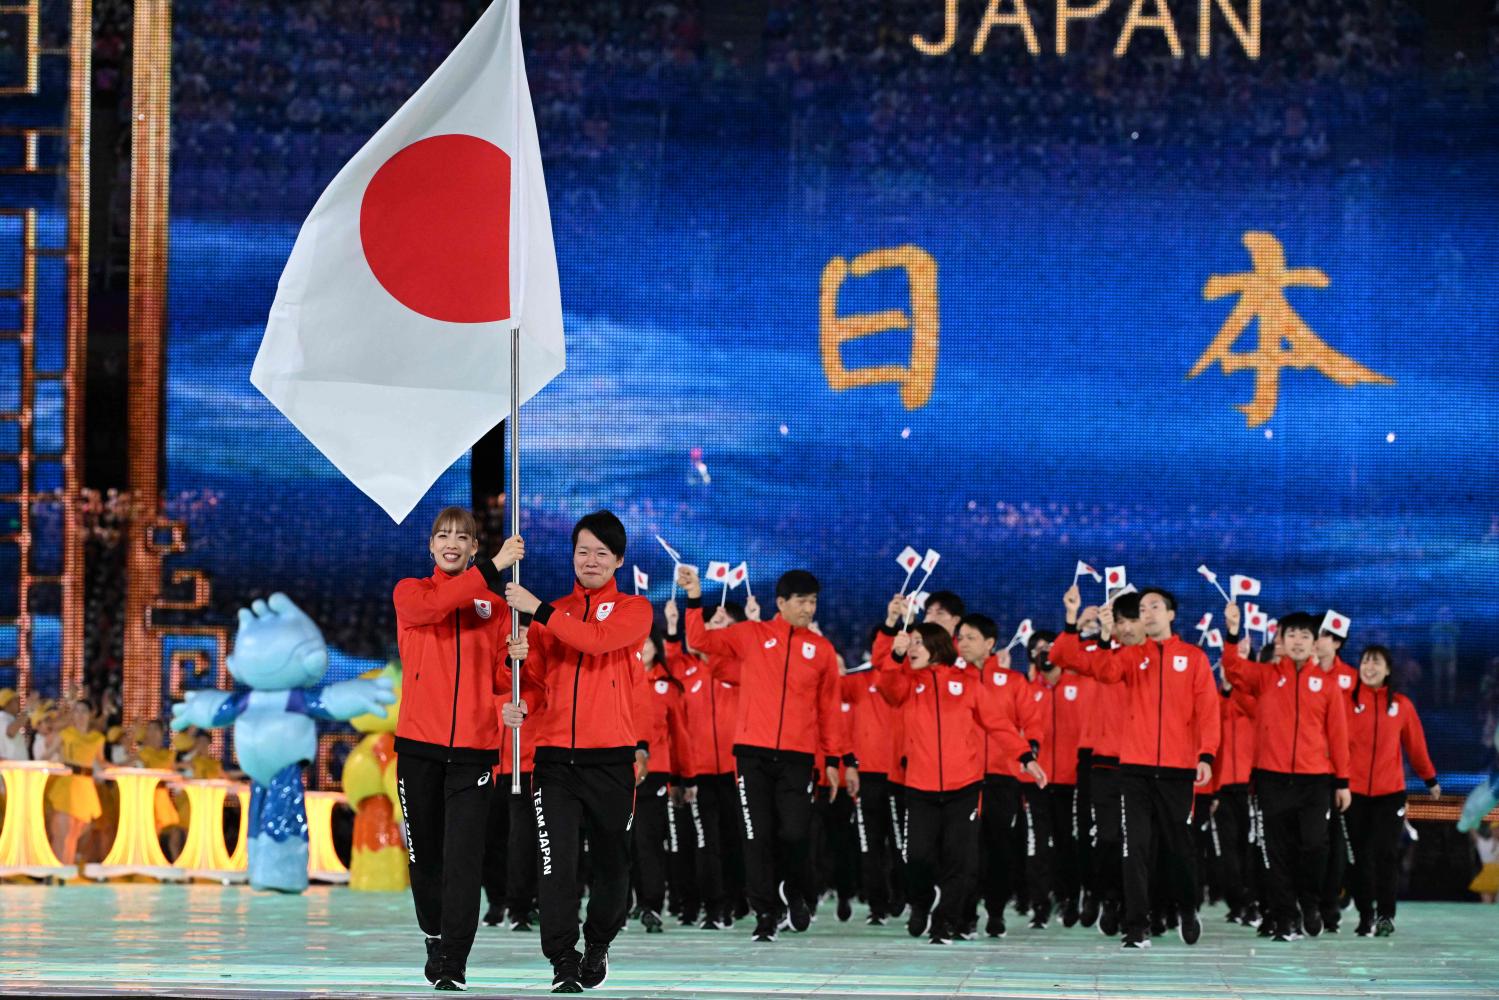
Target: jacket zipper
577	673
785	678
1296	729
937	707
457	675
1374	743
1160	701
1053	739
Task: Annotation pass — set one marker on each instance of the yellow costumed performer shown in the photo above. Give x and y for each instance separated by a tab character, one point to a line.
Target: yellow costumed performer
378	857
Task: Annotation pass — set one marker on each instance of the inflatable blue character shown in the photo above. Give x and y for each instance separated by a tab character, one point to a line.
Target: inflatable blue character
1482	799
279	654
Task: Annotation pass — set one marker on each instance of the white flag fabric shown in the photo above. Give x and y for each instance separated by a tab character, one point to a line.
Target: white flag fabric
388	343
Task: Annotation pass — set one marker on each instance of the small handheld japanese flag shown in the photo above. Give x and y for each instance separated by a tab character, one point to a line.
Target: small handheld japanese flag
928	563
718	572
1114	578
739	575
642	582
915	601
676	556
909	559
1243	586
1212	578
1271	628
1215	639
388	340
1022	634
1254	618
1084	569
1205	622
1337	624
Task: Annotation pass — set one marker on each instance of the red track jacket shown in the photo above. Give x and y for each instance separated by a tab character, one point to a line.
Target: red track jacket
583	671
658	712
1110	702
1302	727
788	685
1012	690
1378	729
451	633
877	725
947	710
1065	708
1236	750
711	711
1173	703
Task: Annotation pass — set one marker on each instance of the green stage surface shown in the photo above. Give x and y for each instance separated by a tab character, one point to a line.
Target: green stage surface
212	941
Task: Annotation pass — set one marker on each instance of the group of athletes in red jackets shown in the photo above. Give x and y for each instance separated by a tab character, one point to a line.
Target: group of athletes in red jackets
743	764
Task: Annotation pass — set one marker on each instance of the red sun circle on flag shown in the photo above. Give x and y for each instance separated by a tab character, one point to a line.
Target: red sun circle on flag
1243	584
435	227
1337	623
1113	577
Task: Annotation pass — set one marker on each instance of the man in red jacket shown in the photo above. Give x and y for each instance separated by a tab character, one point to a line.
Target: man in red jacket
789	717
450	629
581	666
1329	653
1065	698
1167	749
1300	765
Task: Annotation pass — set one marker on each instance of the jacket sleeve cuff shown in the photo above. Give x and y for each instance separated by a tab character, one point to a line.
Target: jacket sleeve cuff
544	614
493	578
1035	747
1071	629
889	629
1205	758
898	657
1432	782
1340	783
695	602
643	746
849	760
673	637
1026	758
1233	637
831	761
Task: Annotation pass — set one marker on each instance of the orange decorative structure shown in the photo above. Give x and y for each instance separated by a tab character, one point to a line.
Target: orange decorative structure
24	848
136	850
322	860
377	861
239	861
204	855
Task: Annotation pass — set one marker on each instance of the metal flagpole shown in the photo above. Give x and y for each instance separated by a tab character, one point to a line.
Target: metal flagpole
514	506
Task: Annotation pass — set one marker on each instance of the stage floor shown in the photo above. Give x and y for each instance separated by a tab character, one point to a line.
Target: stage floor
226	942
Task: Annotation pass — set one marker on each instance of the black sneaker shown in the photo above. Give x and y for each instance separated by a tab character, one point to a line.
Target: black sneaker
1108	919
566	976
1088	916
1136	940
447	984
434	959
1286	931
651	921
1157	924
875	919
594	968
969	931
1070	914
1384	927
1312	921
940	934
995	925
1250	917
798	916
1331	920
494	916
919	922
765	928
713	920
1233	916
845	909
1040	916
1365	926
1267	928
1190	927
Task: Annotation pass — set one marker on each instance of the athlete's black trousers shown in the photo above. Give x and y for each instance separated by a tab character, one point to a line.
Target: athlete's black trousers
872	824
1375	823
717	844
446	811
1296	810
568	800
1069	817
520	850
775	811
1157	818
1229	827
1036	807
1002	852
652	838
942	851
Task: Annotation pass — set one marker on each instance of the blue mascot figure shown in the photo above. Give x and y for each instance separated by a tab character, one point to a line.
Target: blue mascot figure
1483	798
279	654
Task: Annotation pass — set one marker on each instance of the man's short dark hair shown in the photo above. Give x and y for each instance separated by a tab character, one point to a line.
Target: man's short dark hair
604	526
1338	640
1165	595
1040	635
735	610
797	583
1127	606
947	601
982	624
1300	621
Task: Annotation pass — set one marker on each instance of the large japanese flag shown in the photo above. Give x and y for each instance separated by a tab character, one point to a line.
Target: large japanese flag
388	343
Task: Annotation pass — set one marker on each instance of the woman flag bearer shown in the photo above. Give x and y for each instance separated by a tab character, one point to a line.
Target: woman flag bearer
946	712
451	634
581	666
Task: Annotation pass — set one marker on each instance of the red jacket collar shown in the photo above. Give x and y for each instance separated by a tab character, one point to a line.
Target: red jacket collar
605	592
